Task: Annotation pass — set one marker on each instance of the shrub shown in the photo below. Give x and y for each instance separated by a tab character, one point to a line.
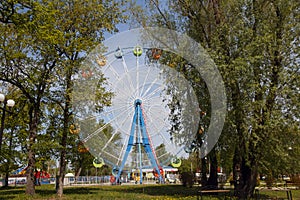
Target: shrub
187	179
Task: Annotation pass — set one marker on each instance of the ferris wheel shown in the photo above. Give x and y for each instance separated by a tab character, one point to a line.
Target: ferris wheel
134	130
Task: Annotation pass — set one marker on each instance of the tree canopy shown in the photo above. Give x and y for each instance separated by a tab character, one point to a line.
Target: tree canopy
256	47
42	44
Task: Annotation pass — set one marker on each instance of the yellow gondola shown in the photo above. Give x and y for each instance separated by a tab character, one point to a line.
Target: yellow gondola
101	61
137	51
74	129
201	130
176	162
98	162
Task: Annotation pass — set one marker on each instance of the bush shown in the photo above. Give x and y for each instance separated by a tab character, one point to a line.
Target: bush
187	179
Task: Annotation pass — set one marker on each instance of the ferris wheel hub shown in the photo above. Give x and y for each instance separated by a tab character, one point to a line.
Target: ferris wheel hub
137	102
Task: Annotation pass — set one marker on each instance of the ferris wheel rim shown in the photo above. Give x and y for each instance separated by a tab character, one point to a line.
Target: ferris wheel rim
130	100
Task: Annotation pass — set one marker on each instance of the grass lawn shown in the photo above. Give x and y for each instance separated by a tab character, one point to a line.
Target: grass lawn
280	194
143	192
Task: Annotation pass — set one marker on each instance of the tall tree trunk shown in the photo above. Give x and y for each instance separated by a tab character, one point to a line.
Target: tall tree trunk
67	116
213	169
246	179
240	170
8	159
236	164
61	174
34	118
62	162
249	179
78	173
2	122
203	171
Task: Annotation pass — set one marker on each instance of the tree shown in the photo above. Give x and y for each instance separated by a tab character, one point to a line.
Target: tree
13	131
249	51
40	37
256	47
272	45
27	64
80	36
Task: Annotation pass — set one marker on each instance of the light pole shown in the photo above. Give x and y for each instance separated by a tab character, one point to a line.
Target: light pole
6	103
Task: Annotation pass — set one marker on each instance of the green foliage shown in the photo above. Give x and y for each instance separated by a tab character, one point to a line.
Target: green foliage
256	47
250	53
42	45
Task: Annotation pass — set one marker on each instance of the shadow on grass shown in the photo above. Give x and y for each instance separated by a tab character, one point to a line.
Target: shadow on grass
155	190
10	192
81	190
44	191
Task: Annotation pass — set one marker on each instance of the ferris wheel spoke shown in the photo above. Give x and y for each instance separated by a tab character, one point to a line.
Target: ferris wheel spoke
158	130
110	140
137	76
180	150
122	94
115	73
157	112
156	91
121	124
126	119
155	101
110	154
159	106
145	81
110	73
111	110
162	155
154	82
158	120
167	142
119	86
123	149
153	129
104	126
127	74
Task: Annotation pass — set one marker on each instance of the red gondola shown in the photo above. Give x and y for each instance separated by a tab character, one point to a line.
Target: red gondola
82	148
86	73
156	53
155	173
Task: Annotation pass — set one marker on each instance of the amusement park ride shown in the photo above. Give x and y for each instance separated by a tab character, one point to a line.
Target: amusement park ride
138	114
139	131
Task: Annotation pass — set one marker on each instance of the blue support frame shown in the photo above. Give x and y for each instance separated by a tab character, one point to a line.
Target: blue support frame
138	130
